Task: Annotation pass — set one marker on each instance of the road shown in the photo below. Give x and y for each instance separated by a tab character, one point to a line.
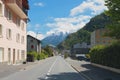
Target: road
55	68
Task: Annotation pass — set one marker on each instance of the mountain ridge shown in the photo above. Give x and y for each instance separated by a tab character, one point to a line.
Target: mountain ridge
54	39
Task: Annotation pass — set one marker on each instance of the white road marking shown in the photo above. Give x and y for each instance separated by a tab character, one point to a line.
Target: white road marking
48	73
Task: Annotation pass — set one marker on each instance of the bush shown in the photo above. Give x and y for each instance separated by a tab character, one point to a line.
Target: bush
87	56
38	57
42	56
66	55
31	56
106	55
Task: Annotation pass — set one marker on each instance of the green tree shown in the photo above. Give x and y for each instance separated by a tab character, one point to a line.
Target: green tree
48	50
114	13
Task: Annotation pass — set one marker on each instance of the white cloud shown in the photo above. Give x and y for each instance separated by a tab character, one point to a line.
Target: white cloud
70	24
38	36
95	6
39	4
77	17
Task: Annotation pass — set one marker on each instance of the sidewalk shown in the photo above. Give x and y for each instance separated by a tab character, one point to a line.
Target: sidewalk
6	70
92	73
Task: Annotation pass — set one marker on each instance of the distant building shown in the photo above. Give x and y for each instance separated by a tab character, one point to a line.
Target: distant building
98	38
33	44
78	48
13	20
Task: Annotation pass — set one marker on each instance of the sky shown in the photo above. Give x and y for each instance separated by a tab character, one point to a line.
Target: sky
54	16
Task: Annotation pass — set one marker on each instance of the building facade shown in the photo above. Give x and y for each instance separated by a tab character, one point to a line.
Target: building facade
33	44
13	20
98	38
80	48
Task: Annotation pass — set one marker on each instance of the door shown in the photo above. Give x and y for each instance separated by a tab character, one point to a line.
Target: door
1	54
13	56
9	55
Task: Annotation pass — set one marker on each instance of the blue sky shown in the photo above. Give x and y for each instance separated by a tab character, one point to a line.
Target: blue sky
54	16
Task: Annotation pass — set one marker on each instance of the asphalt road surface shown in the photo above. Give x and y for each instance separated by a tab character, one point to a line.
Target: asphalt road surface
55	68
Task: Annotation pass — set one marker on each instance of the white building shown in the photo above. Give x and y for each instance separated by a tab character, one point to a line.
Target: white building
80	48
13	20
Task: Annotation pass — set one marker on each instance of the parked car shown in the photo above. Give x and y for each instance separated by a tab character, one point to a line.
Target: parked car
81	58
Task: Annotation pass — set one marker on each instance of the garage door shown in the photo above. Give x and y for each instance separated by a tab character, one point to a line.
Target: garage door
1	54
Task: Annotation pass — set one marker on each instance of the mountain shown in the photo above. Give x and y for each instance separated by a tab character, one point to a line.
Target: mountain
83	35
54	39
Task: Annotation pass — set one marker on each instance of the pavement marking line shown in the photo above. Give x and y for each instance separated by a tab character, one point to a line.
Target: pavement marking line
48	73
52	65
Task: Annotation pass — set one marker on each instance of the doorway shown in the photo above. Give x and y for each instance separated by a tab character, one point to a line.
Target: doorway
1	55
13	56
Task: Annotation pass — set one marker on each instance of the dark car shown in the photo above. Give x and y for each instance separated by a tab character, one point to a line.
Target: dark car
81	58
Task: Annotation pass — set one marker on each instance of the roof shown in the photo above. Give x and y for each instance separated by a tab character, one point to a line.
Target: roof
34	38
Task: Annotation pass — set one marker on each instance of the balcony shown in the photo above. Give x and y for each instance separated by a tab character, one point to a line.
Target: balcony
16	7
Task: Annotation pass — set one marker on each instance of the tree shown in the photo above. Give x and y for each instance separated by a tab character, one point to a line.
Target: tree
114	13
48	50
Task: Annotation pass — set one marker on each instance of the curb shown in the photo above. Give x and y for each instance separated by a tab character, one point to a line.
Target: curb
82	74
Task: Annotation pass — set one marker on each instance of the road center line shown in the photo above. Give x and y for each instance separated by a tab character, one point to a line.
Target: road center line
51	67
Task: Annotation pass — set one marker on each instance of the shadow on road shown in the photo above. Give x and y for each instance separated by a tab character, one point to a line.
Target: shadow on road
96	73
63	76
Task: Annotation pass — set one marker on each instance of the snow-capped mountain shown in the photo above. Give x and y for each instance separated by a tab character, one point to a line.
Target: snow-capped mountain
54	39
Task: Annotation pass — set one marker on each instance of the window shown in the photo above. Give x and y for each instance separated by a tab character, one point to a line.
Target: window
0	9
9	15
9	34
22	40
0	30
18	37
32	46
18	22
22	26
31	40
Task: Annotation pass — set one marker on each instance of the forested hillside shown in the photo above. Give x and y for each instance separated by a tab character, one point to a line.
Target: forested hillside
83	35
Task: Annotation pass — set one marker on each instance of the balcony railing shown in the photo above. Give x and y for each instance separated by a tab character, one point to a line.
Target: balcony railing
17	7
18	2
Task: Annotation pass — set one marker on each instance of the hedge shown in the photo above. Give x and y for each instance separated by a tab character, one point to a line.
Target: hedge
32	56
106	55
